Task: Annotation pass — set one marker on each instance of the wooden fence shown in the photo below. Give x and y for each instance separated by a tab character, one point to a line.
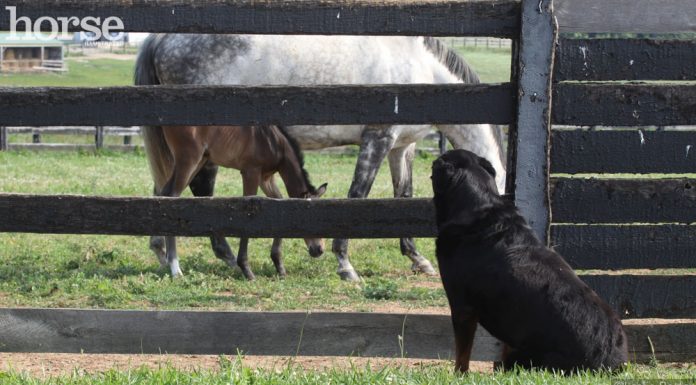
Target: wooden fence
98	132
593	222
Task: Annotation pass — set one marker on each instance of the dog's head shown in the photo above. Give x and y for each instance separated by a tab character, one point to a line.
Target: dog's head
464	187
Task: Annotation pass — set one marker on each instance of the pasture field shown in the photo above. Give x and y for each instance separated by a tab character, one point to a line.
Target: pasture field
121	272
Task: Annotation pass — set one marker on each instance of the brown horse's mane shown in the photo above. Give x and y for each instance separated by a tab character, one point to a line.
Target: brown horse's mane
300	158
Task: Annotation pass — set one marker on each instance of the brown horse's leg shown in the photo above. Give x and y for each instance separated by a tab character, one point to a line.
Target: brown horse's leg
188	158
203	185
271	190
251	179
464	323
401	167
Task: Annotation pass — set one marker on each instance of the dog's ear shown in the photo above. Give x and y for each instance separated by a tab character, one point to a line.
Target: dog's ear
483	162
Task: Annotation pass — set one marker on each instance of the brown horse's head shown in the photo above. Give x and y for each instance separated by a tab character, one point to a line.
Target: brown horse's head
315	245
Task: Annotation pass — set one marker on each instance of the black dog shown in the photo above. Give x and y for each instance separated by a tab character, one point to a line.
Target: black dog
497	272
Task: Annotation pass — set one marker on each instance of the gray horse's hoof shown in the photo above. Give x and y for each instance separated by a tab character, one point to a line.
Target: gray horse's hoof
424	267
231	262
349	275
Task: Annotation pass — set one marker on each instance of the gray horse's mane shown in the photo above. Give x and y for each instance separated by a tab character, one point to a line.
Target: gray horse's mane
455	63
460	68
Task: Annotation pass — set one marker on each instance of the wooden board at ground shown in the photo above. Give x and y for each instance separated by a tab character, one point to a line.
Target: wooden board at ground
364	17
218	105
289	334
285	334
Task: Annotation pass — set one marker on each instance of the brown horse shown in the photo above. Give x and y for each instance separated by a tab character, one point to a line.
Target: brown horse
184	156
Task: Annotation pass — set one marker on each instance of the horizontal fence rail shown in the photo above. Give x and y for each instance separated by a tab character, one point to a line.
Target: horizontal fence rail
573	201
624	200
218	105
624	104
434	18
611	247
626	16
499	18
574	104
625	59
289	334
629	151
245	217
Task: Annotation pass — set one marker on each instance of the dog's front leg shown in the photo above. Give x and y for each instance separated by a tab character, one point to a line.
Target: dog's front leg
464	321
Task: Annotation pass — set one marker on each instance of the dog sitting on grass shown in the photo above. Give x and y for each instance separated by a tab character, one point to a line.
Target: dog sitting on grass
498	273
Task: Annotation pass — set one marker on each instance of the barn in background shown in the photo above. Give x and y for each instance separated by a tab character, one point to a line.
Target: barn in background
27	55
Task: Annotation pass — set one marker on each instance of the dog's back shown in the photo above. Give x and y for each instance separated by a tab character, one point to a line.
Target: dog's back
496	271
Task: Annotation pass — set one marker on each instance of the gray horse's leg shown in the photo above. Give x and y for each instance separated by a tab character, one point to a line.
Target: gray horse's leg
203	185
376	144
401	166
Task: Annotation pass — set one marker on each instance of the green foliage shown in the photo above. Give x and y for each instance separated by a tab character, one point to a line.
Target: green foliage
380	288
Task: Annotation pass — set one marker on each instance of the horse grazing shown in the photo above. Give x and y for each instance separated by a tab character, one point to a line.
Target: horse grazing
189	156
254	60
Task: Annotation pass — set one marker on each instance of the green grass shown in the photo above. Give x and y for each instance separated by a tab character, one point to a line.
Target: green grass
81	73
234	372
492	65
121	272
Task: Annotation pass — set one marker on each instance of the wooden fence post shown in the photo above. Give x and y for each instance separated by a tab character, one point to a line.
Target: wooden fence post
36	137
99	137
3	139
538	37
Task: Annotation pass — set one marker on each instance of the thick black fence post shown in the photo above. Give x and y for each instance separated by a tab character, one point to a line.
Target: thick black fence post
3	139
537	44
99	137
36	137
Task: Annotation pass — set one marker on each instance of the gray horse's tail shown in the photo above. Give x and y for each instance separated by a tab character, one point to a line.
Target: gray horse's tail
461	69
158	154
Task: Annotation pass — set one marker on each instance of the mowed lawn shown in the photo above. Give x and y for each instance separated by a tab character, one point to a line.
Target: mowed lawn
121	272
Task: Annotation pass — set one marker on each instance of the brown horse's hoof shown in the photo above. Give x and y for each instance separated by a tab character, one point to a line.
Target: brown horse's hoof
349	275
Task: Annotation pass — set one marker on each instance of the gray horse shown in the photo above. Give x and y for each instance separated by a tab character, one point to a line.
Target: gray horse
256	60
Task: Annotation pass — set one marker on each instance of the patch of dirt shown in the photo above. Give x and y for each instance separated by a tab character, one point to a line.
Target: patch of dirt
391	307
44	365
